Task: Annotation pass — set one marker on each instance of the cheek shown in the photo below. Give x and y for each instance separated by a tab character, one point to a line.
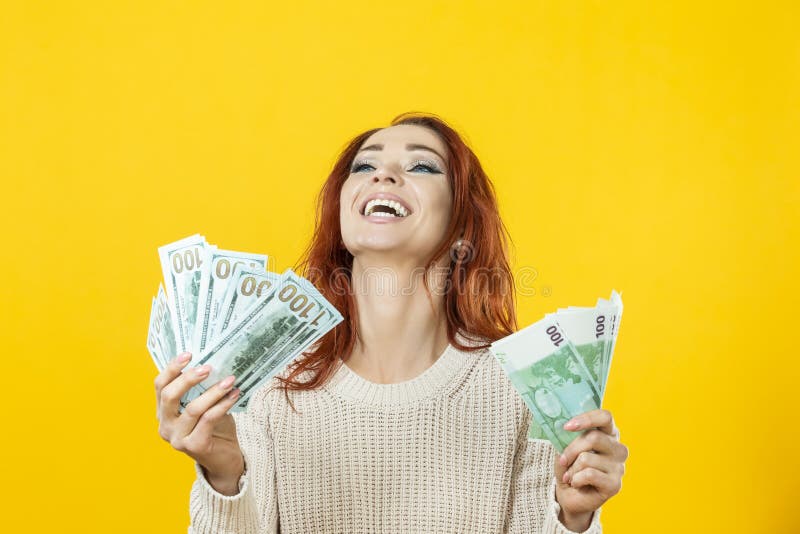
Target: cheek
345	197
441	203
346	215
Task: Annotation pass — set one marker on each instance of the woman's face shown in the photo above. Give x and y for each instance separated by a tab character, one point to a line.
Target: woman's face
397	200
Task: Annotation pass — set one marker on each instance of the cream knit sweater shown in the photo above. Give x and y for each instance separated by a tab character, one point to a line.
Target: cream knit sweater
444	452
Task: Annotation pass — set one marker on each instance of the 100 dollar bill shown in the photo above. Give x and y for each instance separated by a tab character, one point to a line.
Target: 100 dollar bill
164	330
215	278
289	348
273	331
181	263
160	335
153	343
247	286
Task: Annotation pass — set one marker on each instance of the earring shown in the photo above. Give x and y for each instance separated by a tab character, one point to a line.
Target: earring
461	250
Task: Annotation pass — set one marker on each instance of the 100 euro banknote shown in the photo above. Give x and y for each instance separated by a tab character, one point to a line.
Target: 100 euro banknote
593	331
552	378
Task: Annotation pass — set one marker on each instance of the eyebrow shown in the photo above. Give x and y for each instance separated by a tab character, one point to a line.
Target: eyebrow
409	146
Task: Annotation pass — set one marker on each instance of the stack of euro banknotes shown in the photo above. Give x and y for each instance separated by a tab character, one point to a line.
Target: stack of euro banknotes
559	365
225	308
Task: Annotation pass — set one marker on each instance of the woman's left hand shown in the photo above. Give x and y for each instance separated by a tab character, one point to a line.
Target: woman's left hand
590	470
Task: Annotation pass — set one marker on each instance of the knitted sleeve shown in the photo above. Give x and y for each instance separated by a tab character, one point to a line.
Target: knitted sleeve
533	505
254	510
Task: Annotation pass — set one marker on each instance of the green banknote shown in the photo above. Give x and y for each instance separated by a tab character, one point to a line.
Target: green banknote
247	285
153	344
295	340
271	332
559	365
225	308
615	303
215	278
589	330
181	264
165	333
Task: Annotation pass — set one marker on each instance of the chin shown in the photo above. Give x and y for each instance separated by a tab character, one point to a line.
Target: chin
374	245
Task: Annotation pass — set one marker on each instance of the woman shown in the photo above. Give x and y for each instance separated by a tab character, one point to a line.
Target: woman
400	419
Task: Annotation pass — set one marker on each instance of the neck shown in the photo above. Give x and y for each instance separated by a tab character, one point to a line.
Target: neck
402	329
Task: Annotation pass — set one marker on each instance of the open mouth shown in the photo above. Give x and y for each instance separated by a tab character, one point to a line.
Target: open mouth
383	207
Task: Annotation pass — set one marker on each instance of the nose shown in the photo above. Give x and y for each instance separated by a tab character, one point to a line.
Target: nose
383	178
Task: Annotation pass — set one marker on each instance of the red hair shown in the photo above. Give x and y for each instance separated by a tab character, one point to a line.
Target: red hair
479	296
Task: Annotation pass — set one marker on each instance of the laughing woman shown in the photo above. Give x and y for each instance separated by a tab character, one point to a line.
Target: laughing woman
400	419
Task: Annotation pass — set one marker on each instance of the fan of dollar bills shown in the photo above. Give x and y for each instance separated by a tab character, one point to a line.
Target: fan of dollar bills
559	365
226	309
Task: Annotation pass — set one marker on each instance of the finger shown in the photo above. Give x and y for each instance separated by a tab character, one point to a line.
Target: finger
606	484
600	419
173	392
559	468
170	372
195	409
587	459
592	440
209	420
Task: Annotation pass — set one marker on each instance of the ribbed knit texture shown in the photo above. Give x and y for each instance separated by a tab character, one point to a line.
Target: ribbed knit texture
444	452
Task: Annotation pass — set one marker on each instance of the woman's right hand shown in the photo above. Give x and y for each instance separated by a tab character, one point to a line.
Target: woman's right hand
204	431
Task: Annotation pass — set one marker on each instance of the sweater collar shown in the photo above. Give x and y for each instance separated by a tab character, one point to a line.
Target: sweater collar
348	383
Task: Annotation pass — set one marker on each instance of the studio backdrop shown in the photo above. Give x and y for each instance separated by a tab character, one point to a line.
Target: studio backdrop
648	147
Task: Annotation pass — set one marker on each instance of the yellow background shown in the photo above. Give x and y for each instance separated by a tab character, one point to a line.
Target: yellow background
651	147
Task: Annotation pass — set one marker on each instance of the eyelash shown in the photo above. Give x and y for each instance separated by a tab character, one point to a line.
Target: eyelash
430	165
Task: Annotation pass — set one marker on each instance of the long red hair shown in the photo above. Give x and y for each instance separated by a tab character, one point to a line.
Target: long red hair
479	300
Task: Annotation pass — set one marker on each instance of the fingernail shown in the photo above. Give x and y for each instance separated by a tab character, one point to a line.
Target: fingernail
203	369
572	424
234	393
562	460
565	478
185	357
228	382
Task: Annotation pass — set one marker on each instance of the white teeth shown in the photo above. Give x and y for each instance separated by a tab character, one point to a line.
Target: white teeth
399	209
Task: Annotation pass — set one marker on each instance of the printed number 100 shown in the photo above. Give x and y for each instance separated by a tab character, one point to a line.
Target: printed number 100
555	335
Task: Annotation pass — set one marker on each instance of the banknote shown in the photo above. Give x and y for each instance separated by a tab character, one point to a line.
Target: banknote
291	316
165	333
182	265
604	318
551	376
152	341
215	277
589	330
231	313
560	364
293	345
615	303
246	287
